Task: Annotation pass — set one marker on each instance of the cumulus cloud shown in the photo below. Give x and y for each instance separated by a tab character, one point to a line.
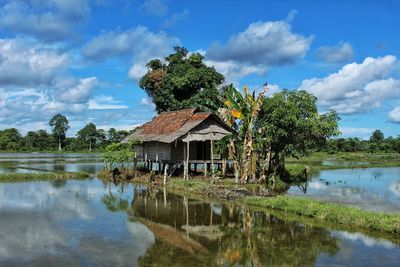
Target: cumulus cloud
103	102
50	21
139	43
25	62
356	87
79	93
146	102
156	8
339	53
261	45
394	115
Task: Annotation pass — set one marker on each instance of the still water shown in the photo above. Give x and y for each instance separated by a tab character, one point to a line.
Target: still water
43	162
375	189
89	223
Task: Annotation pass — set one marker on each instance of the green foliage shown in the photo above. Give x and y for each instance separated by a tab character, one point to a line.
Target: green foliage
377	136
183	81
59	125
88	135
118	153
10	139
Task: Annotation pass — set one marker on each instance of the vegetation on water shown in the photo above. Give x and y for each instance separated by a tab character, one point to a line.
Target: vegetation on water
26	177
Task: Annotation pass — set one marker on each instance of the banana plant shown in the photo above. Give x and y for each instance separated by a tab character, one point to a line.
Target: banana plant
240	112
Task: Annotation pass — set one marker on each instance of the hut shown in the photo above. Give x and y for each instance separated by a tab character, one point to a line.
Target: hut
180	138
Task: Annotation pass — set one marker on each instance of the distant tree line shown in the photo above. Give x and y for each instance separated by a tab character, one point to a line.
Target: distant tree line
88	138
376	143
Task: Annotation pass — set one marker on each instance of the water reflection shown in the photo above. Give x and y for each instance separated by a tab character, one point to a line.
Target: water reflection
92	223
375	189
42	162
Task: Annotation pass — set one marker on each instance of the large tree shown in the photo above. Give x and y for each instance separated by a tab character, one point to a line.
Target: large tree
289	125
88	134
182	80
10	139
59	125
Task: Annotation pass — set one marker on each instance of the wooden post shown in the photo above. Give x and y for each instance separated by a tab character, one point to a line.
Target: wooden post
205	168
165	173
187	155
224	167
212	160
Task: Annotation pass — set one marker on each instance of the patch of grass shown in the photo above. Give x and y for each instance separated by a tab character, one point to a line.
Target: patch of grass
26	177
329	212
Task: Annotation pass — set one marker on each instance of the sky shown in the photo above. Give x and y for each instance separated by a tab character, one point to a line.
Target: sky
84	58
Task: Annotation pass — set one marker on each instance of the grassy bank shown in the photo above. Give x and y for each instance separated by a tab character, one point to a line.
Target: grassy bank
26	177
324	212
330	212
344	160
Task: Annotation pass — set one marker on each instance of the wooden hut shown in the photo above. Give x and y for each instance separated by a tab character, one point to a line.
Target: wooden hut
183	137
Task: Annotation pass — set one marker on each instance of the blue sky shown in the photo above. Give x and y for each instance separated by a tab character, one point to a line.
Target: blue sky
83	58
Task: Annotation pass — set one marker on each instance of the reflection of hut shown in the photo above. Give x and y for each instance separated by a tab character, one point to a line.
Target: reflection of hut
183	137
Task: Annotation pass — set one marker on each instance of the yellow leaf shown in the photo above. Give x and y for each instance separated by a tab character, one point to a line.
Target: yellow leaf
236	114
228	103
245	89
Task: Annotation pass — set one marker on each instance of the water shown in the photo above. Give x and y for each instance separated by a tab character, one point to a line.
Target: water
375	189
44	162
89	223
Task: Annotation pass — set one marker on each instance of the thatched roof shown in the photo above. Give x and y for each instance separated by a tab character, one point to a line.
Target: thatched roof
169	126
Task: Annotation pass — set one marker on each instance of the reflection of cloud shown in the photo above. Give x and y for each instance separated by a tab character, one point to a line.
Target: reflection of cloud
27	233
317	185
395	188
41	196
367	241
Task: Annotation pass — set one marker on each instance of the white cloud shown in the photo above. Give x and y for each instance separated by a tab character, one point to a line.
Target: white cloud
80	93
24	62
394	115
354	131
261	45
146	102
139	44
340	53
47	20
105	103
356	87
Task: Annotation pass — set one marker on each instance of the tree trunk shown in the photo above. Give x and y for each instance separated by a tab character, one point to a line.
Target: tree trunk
59	144
90	145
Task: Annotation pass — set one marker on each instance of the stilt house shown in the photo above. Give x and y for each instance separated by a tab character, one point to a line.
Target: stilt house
180	137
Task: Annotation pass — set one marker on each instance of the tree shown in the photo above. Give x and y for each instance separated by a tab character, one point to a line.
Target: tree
117	153
289	125
60	126
10	139
377	136
183	81
88	134
241	111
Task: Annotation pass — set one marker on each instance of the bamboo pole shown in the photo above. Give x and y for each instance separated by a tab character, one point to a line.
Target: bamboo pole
212	159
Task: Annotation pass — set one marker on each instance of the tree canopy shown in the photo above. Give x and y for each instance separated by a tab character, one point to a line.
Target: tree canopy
182	80
60	125
88	134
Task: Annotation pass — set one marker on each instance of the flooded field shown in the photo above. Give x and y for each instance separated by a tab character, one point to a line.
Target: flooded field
43	162
375	189
91	223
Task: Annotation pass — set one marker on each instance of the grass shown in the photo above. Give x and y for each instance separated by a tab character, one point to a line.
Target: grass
26	177
326	213
330	212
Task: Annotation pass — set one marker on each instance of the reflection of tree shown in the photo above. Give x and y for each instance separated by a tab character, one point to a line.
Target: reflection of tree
58	183
114	203
247	238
